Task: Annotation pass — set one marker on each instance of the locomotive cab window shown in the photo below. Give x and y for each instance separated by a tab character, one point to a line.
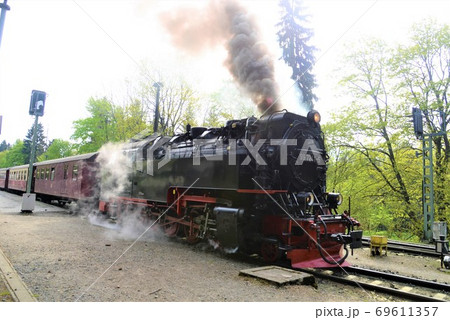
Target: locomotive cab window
75	172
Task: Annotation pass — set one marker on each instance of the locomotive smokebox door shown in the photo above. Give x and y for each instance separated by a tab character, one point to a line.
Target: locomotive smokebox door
227	226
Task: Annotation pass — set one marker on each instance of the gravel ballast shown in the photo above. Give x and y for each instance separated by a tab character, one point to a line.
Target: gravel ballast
63	257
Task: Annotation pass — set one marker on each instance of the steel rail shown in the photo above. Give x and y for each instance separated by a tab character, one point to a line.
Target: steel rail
374	287
414	248
399	278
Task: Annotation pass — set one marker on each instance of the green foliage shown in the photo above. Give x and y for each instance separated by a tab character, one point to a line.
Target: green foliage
226	104
217	112
4	146
41	144
293	38
372	146
92	132
423	71
107	123
13	156
58	149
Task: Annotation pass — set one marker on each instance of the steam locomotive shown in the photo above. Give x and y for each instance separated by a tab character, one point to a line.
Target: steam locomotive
254	185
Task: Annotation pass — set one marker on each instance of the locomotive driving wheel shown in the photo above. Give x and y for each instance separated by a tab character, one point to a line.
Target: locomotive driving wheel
169	227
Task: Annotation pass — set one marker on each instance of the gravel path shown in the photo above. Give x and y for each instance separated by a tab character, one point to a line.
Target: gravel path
62	257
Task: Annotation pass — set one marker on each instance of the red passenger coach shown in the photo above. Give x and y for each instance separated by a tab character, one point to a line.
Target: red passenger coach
4	176
18	178
66	179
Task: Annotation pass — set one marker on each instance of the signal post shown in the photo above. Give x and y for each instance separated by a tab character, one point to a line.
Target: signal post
37	104
428	170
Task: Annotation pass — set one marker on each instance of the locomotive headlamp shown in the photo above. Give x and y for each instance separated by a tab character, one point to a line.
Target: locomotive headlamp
334	200
313	116
305	198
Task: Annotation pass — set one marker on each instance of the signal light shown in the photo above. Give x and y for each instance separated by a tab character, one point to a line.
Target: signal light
37	103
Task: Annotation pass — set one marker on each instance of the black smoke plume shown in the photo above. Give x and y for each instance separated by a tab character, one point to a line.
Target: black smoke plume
229	24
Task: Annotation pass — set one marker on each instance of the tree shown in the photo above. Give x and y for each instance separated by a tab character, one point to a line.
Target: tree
13	156
218	111
41	144
374	129
108	122
177	102
423	70
225	104
93	132
4	146
293	38
130	120
57	149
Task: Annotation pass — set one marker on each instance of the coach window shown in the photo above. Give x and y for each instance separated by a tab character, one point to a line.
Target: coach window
75	172
66	171
52	174
47	173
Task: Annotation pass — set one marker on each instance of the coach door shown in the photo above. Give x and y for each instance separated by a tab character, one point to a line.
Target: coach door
65	179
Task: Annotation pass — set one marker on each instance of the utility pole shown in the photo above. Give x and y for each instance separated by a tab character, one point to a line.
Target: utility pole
158	86
37	104
4	6
428	170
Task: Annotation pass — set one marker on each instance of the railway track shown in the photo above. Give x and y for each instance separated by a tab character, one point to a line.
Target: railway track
400	286
413	248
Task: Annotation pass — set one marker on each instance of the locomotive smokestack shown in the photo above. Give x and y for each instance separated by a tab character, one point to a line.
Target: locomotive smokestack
229	24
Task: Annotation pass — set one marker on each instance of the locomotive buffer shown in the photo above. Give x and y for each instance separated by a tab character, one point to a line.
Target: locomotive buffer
37	104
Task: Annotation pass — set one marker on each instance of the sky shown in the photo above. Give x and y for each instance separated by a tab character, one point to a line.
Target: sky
75	49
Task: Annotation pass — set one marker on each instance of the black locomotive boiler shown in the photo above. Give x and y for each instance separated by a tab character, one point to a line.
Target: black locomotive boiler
257	185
